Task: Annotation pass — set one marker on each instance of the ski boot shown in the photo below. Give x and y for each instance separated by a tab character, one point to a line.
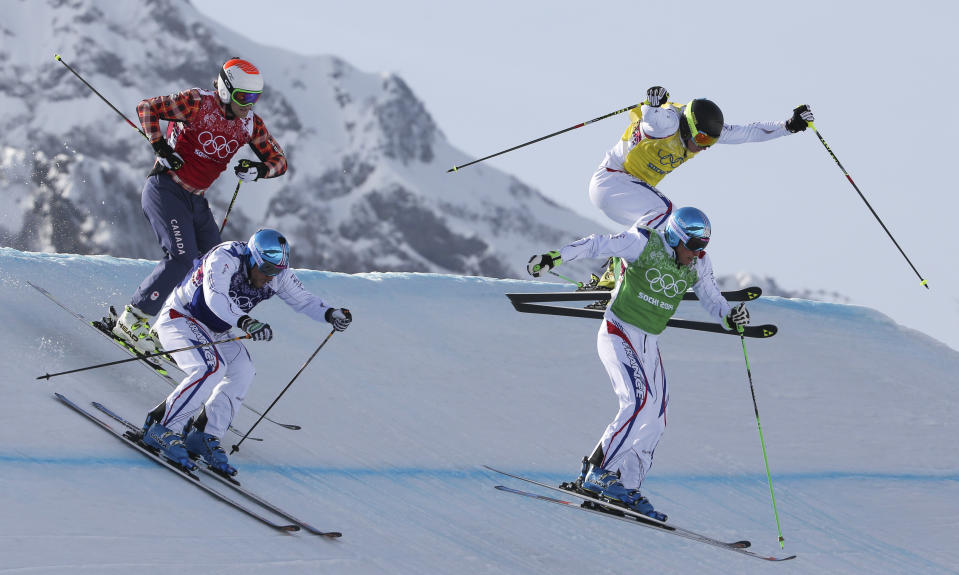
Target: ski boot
608	279
605	485
167	443
133	327
205	447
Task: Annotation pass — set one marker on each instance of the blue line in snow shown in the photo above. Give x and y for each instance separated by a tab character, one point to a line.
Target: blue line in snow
15	460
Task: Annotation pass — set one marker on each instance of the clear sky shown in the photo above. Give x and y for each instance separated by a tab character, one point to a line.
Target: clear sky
879	77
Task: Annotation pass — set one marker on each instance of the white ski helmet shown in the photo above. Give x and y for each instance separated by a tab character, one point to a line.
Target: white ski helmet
239	81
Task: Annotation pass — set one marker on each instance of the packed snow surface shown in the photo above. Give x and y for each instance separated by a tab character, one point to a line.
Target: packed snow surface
437	376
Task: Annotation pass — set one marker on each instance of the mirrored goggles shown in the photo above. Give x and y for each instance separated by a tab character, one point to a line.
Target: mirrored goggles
702	140
244	98
696	244
271	269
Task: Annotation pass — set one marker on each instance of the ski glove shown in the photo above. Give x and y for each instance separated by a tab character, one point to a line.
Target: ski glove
339	317
656	96
543	263
258	330
801	118
738	317
250	171
166	156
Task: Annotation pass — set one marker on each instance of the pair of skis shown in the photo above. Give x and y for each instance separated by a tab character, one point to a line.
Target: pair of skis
534	303
156	364
605	509
129	438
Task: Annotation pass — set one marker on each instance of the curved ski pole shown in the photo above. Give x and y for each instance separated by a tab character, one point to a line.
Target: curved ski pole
236	447
762	441
141	357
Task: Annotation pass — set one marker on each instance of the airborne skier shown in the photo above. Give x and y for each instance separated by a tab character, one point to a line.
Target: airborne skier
661	266
206	128
661	137
223	288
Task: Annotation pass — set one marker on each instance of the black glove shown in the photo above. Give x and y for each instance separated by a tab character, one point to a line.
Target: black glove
339	317
258	330
543	263
166	156
738	317
656	96
250	171
800	119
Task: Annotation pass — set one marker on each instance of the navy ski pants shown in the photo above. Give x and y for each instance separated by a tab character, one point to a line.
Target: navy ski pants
185	228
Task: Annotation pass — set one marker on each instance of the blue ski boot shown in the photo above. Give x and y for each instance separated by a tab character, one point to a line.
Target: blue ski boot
207	448
168	444
642	505
606	485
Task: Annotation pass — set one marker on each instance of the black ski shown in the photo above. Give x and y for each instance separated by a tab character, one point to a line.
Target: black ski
189	477
230	481
745	294
155	365
597	506
758	331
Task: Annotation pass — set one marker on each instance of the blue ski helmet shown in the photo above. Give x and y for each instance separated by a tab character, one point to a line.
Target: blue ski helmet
269	250
688	226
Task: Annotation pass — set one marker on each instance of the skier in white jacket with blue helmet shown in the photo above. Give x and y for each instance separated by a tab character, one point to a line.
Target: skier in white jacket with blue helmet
661	266
219	294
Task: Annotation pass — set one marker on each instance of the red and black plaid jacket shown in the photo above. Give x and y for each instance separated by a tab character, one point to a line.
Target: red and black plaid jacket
207	140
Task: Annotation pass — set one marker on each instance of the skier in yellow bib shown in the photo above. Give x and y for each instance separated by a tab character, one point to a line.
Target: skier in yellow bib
661	137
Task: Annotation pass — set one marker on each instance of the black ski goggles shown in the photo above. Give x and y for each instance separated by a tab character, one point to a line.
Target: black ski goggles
696	244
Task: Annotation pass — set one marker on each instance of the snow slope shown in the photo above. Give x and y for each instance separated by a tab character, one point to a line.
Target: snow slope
437	376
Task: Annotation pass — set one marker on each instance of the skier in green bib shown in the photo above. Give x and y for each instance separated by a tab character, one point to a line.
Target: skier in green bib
661	266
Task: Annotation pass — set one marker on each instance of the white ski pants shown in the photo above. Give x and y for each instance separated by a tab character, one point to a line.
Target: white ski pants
635	367
628	200
217	378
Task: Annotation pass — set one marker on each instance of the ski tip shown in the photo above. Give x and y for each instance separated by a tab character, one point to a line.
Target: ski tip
331	534
290	528
744	544
291	427
753	293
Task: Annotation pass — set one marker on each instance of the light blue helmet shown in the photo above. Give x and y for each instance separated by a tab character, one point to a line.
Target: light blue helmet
688	226
270	251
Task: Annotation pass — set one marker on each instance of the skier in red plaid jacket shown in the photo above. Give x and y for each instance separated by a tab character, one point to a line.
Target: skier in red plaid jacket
205	129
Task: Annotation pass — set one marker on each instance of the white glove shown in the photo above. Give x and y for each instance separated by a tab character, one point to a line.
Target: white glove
738	317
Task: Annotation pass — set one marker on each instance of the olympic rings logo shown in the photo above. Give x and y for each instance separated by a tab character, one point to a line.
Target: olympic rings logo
665	283
217	145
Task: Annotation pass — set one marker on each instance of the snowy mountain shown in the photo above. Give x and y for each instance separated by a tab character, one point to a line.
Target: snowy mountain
367	187
400	412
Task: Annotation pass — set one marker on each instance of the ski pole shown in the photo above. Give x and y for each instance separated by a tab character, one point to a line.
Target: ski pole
242	439
144	356
922	281
609	115
562	277
74	72
742	338
228	210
